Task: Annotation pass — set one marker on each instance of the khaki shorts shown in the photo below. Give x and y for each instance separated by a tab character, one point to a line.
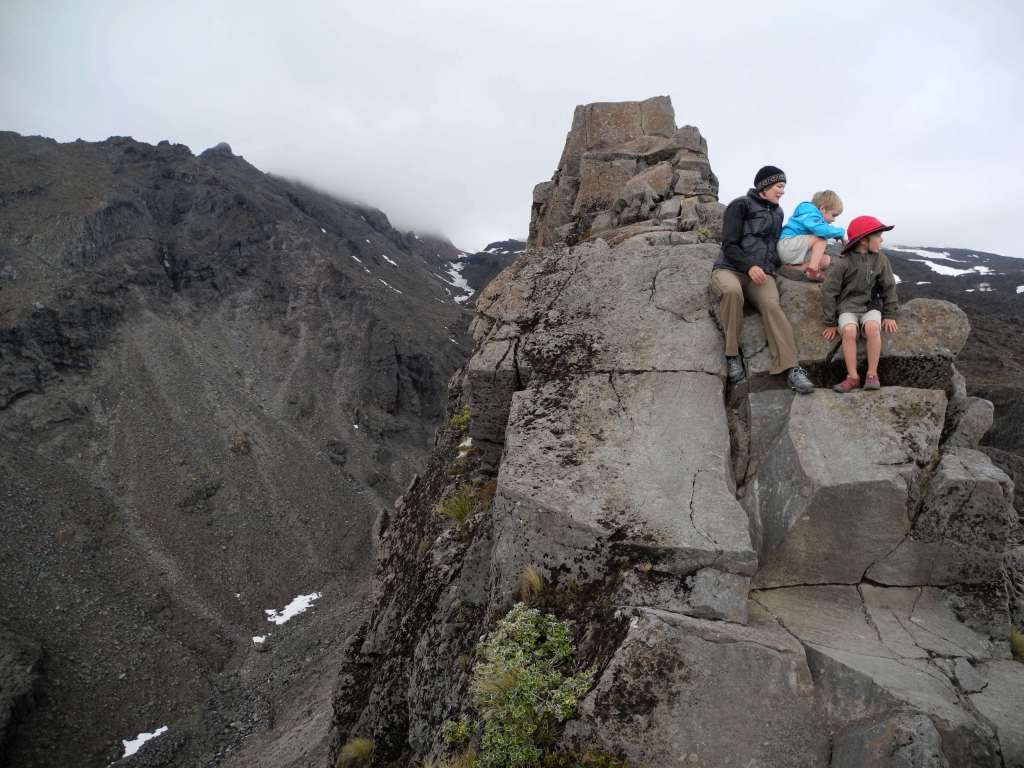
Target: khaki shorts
851	318
793	250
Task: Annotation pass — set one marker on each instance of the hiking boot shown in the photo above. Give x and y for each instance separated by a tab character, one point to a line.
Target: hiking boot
872	382
799	381
734	369
846	385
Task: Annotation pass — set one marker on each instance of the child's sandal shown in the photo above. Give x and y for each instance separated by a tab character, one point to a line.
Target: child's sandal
872	382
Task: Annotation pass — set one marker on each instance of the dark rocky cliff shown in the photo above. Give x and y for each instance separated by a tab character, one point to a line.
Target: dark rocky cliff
210	381
759	578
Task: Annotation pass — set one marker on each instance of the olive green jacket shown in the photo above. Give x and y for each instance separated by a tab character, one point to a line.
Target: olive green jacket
854	281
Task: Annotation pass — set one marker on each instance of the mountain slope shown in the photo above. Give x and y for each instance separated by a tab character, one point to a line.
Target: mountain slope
211	380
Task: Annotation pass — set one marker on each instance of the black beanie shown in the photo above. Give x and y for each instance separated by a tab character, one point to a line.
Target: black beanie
767	176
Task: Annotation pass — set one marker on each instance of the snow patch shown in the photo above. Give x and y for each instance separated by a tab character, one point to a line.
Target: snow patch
299	605
944	255
923	282
323	230
389	285
458	281
985	288
367	240
1020	289
943	269
259	639
389	261
356	258
898	278
131	746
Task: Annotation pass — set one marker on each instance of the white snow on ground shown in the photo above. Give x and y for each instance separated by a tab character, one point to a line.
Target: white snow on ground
985	288
367	271
356	258
389	285
944	270
389	261
983	270
457	280
294	608
944	255
355	426
464	446
1020	289
898	278
367	240
260	639
923	282
131	746
968	290
323	230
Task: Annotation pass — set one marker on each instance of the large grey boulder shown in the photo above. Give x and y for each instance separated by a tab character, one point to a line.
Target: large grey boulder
874	649
684	691
834	486
962	529
1001	702
968	419
931	333
899	740
607	466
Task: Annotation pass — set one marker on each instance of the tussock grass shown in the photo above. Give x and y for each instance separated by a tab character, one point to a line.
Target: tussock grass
531	584
1017	643
460	505
460	419
355	752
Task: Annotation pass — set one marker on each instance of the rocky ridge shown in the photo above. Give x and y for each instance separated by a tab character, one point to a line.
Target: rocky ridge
760	578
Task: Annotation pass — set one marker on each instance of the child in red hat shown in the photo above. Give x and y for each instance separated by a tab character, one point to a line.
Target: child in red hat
852	286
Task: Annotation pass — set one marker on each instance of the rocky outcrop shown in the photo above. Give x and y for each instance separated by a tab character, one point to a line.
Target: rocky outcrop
626	164
759	578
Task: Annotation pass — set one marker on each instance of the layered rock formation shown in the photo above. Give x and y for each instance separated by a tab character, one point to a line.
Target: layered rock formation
626	167
761	578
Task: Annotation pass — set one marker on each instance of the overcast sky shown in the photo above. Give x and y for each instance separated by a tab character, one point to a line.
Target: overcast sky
445	114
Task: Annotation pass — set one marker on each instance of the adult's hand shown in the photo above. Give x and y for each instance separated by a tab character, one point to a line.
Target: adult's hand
757	274
831	332
889	326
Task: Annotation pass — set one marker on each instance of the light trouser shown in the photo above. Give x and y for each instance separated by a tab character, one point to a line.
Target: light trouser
733	289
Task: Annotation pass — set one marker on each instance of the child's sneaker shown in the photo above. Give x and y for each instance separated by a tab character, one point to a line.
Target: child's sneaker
872	382
848	385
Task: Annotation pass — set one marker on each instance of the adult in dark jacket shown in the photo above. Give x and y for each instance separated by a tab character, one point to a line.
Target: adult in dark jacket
745	271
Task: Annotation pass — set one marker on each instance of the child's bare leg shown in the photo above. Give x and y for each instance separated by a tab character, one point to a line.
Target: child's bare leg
873	331
850	350
817	253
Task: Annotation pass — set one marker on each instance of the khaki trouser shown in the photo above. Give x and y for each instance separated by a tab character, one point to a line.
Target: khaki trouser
733	288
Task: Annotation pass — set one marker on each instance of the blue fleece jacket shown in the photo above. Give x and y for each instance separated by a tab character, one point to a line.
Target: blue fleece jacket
807	220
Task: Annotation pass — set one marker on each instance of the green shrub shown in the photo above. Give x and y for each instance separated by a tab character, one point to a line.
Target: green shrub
460	419
458	506
455	732
520	691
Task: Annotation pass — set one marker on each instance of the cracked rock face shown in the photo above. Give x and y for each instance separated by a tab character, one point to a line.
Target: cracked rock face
684	691
835	486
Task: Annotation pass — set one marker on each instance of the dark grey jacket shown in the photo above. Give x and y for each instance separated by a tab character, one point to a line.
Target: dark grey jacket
750	234
854	281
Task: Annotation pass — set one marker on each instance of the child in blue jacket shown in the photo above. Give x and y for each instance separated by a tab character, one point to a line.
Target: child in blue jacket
802	241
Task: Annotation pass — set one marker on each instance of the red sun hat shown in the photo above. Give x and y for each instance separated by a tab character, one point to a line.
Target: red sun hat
861	227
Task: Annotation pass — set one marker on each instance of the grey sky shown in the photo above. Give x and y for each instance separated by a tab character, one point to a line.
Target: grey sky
445	115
